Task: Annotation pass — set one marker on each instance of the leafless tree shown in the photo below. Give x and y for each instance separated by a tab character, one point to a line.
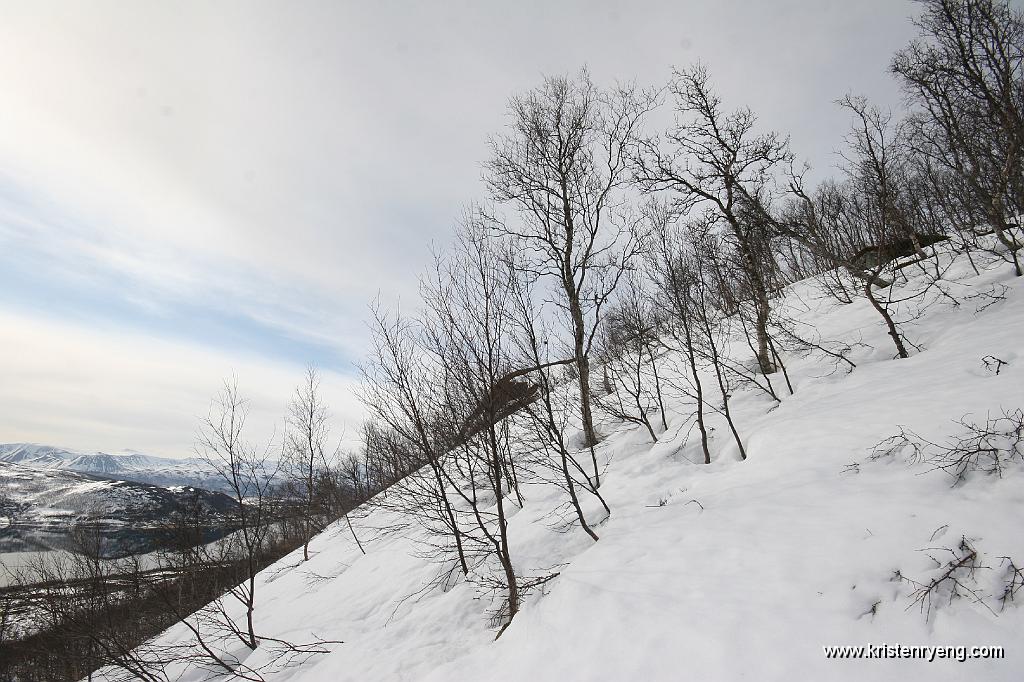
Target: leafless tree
203	578
674	279
468	308
713	162
444	388
964	75
86	611
563	165
312	469
629	349
305	455
547	434
407	440
248	473
876	205
708	316
685	263
875	215
382	460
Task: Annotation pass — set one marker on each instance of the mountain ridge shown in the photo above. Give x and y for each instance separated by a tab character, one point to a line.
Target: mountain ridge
128	466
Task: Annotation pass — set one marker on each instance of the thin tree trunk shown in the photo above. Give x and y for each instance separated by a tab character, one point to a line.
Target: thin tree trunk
657	387
250	607
698	389
1009	242
571	487
890	325
716	363
780	365
451	516
762	306
503	550
354	536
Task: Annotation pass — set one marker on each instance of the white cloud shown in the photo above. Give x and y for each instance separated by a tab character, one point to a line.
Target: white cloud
110	389
329	142
285	161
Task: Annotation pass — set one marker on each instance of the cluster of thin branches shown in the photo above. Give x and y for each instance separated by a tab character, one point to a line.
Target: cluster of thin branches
954	578
988	447
956	574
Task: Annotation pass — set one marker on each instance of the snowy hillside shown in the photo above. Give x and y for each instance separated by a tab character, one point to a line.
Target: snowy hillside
129	466
733	570
39	507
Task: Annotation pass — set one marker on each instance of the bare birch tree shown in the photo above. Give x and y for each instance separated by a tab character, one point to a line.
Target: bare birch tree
964	75
563	165
305	455
248	473
712	161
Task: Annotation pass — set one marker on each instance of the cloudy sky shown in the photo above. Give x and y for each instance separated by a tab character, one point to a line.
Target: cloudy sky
194	189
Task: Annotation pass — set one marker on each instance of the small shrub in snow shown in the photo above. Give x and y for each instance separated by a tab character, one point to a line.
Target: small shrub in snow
954	578
959	572
1014	581
905	443
993	364
990	447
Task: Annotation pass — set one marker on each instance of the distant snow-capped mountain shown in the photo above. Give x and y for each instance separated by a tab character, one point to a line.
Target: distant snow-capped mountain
127	466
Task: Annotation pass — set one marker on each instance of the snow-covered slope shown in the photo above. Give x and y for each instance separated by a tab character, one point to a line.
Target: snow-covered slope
39	508
129	466
734	570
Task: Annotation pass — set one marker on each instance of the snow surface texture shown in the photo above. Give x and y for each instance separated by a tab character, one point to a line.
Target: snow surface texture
734	570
